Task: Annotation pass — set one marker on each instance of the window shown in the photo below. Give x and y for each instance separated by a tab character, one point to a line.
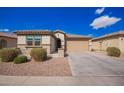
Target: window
33	40
29	40
37	40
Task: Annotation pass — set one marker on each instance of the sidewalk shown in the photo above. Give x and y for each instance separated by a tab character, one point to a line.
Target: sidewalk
61	81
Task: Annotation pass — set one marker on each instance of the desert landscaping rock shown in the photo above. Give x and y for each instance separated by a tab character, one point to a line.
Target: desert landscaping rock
51	67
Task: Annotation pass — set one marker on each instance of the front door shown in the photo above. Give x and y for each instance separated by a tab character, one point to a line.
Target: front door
58	43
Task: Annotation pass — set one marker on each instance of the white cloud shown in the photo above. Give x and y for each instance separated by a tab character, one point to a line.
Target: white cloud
100	10
4	30
104	21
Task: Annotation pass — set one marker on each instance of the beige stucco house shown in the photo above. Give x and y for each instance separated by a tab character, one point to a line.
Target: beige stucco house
52	41
115	39
8	40
57	41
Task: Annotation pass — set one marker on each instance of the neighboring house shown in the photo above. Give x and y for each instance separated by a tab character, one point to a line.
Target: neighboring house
8	40
51	40
115	39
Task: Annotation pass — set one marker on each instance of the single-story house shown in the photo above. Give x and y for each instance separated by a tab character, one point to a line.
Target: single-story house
115	39
51	40
8	40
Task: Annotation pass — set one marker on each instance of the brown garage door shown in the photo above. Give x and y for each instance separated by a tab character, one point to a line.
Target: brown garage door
77	45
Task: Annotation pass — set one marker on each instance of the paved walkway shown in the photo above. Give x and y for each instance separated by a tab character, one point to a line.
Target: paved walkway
87	69
60	81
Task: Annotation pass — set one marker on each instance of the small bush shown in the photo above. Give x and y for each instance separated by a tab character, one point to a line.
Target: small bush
113	51
0	60
20	59
8	54
39	54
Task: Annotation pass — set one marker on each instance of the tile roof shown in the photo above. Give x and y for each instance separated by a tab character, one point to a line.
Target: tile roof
119	33
77	36
23	32
60	31
12	35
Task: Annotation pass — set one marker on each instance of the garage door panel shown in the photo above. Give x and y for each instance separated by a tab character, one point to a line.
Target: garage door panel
77	46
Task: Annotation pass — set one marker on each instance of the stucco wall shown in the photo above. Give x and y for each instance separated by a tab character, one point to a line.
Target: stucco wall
121	44
11	43
21	39
96	45
53	44
21	43
45	39
104	43
111	42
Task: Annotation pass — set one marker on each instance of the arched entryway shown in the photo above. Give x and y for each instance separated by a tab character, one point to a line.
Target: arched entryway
59	43
3	43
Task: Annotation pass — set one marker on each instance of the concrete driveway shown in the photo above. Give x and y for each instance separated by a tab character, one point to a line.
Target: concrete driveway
95	64
103	69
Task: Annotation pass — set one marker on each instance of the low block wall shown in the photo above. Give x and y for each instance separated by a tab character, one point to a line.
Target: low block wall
61	52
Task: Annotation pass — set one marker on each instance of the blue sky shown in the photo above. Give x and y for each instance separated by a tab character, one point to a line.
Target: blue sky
75	20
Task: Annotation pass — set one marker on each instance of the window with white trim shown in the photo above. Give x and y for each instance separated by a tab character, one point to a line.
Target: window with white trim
29	40
33	40
37	40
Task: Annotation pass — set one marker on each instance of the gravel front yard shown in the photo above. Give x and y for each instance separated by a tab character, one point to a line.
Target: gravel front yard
51	67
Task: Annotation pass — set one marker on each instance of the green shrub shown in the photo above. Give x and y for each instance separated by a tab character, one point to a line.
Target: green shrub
39	54
113	51
8	54
20	59
0	60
